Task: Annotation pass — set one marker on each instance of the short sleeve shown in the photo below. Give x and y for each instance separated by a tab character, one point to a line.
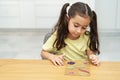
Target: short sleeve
87	38
88	43
48	45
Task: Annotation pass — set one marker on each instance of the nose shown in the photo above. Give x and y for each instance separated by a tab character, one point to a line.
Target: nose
79	30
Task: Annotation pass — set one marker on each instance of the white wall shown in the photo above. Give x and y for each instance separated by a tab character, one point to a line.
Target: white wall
118	15
9	13
44	13
35	14
108	15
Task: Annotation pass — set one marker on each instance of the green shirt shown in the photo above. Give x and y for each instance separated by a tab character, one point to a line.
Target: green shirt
74	50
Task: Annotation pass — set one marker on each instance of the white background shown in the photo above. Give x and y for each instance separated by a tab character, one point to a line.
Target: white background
39	14
32	13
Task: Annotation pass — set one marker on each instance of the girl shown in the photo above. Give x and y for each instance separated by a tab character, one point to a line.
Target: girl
71	39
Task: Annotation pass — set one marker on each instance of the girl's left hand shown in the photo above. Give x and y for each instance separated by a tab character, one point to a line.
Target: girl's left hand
94	59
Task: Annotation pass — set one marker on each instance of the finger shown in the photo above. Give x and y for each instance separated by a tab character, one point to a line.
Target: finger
54	62
59	62
94	57
90	57
62	57
96	62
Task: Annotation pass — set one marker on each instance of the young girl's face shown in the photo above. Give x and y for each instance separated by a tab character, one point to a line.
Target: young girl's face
77	26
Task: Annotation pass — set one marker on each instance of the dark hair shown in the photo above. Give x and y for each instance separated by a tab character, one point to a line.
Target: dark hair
61	27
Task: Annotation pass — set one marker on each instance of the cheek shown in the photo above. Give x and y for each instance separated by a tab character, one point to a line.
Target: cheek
70	27
83	31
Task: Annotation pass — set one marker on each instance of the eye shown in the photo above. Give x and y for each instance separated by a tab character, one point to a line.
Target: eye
76	26
83	27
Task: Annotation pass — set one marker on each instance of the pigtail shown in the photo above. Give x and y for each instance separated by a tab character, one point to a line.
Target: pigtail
61	28
94	41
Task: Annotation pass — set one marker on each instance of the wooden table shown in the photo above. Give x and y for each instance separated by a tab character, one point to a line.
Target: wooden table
45	70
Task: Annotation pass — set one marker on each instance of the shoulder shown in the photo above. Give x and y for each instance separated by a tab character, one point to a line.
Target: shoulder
86	35
54	33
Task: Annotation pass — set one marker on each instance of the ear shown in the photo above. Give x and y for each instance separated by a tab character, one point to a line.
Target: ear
67	18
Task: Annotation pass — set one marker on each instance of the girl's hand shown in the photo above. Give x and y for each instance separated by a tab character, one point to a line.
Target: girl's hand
94	59
57	59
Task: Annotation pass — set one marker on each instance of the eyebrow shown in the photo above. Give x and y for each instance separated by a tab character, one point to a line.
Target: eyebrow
82	26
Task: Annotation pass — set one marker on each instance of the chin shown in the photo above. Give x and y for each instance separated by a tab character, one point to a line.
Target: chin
76	36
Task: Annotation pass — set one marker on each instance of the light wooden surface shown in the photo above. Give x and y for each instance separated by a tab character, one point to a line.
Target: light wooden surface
45	70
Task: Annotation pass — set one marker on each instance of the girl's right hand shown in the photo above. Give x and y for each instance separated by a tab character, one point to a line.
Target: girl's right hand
57	59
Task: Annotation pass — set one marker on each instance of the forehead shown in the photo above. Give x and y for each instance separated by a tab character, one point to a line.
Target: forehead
81	20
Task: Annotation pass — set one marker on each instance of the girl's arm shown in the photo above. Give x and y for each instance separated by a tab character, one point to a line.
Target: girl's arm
56	59
93	58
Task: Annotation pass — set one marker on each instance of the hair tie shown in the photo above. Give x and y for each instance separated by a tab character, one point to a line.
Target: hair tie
68	8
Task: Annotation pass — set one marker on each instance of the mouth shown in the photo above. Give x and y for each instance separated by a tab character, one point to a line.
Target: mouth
76	36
